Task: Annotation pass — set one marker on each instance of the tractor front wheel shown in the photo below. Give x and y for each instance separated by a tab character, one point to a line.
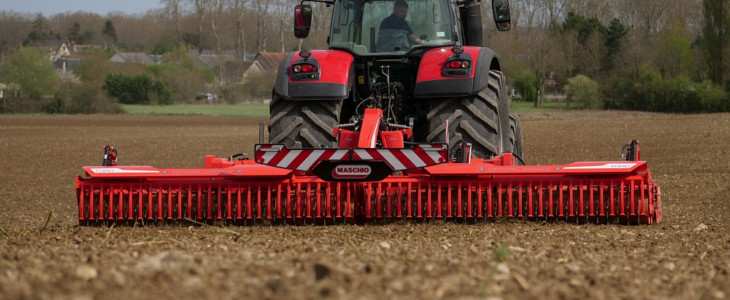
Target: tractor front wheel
303	124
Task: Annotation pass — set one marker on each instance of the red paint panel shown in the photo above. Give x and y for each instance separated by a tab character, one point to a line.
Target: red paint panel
433	62
334	66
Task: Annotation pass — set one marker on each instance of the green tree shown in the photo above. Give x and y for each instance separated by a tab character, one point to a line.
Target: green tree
32	72
129	89
180	74
590	32
139	89
168	42
76	35
109	31
40	32
674	54
583	91
258	86
615	33
525	82
715	37
74	32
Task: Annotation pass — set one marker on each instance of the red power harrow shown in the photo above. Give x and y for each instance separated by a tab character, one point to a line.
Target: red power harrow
358	182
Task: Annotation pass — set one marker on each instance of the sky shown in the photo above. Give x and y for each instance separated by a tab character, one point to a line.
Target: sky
101	7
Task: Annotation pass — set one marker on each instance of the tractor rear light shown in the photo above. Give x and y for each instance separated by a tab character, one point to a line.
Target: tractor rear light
305	71
458	64
305	68
309	68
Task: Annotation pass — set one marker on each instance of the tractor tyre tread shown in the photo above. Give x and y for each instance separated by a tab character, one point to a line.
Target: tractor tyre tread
303	124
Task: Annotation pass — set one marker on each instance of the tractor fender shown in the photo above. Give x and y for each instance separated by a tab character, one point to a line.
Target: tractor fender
331	81
432	81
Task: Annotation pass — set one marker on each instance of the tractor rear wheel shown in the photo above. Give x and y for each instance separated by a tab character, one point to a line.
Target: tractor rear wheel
475	119
303	124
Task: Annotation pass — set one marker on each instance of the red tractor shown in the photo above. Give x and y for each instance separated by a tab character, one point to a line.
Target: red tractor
422	62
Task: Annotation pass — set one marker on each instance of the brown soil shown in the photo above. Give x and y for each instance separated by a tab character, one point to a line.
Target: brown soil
687	256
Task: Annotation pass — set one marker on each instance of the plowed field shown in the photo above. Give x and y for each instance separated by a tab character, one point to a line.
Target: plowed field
687	256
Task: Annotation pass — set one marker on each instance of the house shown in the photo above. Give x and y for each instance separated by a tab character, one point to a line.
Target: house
63	59
264	62
135	58
78	48
226	66
235	70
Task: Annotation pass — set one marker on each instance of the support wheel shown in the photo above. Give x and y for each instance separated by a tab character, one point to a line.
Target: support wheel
303	124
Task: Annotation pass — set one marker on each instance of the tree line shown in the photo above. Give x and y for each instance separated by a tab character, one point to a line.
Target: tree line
664	55
246	26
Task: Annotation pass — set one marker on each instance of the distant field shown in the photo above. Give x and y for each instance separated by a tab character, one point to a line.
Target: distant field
260	110
522	107
238	110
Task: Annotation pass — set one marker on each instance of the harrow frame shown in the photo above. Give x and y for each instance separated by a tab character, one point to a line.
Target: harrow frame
359	182
244	192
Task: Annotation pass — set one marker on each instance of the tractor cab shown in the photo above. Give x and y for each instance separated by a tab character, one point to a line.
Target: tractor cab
395	27
384	27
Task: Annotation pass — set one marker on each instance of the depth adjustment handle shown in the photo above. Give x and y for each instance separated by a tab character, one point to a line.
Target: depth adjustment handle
630	151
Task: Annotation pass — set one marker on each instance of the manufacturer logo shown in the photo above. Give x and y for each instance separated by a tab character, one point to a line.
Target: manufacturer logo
351	171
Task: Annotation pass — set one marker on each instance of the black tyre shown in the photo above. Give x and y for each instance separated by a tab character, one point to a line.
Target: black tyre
475	119
496	78
303	124
515	138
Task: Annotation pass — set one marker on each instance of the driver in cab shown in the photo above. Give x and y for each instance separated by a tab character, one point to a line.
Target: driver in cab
394	32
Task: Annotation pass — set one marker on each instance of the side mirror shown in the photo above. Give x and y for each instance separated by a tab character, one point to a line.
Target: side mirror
302	20
500	11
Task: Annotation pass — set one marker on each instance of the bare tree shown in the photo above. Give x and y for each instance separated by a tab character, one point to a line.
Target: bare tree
691	13
569	48
530	11
541	53
553	10
201	10
591	8
716	38
174	7
650	16
280	10
14	27
320	26
239	10
216	9
262	12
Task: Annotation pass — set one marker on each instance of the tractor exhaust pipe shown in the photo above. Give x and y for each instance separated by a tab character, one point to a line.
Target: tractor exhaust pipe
472	19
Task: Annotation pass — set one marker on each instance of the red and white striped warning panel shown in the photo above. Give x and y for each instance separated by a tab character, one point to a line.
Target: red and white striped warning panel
306	159
404	159
295	159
